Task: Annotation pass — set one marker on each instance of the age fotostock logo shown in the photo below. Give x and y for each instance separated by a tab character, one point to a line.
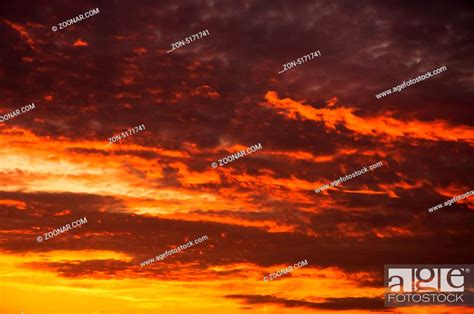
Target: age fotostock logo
428	285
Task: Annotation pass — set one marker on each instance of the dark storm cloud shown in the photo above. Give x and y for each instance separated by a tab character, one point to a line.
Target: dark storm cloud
209	94
371	304
372	53
124	88
145	237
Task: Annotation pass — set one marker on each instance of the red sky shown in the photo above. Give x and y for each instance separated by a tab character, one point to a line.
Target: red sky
156	189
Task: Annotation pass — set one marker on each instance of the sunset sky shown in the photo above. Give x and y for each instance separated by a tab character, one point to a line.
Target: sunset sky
156	189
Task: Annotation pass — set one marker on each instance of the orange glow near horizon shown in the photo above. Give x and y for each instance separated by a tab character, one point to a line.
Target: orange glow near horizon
158	188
